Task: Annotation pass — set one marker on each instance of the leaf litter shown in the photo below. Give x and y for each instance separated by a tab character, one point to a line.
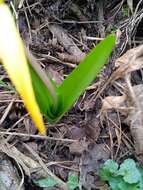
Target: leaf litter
106	121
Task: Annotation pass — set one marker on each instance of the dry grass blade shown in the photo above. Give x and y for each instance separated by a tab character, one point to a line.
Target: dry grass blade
130	26
7	110
20	4
130	5
35	136
44	167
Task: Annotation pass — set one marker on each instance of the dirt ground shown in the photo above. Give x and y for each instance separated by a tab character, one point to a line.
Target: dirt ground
105	122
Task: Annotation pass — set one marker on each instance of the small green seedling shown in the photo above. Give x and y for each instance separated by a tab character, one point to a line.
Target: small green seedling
55	100
72	182
125	11
126	176
38	91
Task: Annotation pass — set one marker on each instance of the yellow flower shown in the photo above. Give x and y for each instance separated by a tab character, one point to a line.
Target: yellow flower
13	57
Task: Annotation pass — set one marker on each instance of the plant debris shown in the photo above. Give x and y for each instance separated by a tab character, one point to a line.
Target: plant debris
104	123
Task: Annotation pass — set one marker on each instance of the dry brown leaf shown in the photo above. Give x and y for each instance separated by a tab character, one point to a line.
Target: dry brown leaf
78	147
76	133
92	127
131	61
66	41
136	116
91	161
112	102
70	58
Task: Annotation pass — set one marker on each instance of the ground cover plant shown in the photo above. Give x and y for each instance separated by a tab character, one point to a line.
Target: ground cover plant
126	176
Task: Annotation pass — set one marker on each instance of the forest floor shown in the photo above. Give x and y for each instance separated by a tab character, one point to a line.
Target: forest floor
106	121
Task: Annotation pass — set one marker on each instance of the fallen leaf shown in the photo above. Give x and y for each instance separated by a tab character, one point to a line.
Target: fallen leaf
135	116
91	160
78	147
113	102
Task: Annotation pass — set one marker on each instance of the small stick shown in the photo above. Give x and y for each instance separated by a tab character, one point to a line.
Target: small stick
37	136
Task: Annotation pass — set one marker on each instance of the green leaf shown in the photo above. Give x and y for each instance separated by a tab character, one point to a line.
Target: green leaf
141	172
109	169
74	85
128	176
47	182
43	96
122	185
141	184
55	101
118	183
114	182
72	182
44	88
129	171
50	182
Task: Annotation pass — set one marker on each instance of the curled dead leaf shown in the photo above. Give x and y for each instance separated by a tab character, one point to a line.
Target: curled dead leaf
135	116
78	147
131	61
113	102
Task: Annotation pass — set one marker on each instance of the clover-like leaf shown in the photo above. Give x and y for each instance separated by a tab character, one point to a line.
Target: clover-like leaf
129	171
72	181
109	168
47	182
118	183
114	182
123	186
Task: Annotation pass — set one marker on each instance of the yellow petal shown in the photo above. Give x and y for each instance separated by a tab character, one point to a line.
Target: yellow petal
14	60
